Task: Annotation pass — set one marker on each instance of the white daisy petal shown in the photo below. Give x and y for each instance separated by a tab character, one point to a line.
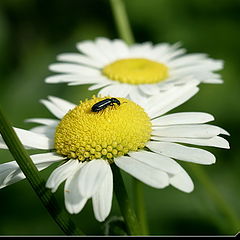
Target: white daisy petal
157	161
91	177
74	201
102	199
135	96
73	68
87	80
212	142
189	59
162	49
168	57
57	106
106	48
182	118
115	91
158	105
63	105
47	131
31	140
11	173
149	89
6	171
188	131
174	102
209	65
79	58
224	132
90	49
61	173
73	78
141	50
148	175
44	121
214	81
181	152
182	181
53	108
99	85
43	160
120	48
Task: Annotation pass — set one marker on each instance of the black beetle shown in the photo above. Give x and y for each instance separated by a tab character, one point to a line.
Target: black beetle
105	103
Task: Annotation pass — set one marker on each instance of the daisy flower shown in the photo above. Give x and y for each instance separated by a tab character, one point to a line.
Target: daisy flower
125	71
141	139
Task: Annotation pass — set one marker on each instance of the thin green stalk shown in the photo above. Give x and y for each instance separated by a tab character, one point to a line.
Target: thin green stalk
124	203
60	216
121	20
140	209
217	198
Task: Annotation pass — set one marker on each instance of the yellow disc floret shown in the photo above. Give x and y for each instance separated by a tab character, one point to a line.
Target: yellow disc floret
111	132
136	71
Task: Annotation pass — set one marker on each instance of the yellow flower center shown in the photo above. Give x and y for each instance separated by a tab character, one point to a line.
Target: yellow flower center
136	71
110	132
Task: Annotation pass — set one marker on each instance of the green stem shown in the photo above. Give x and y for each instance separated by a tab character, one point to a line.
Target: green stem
217	198
61	217
139	200
124	203
121	20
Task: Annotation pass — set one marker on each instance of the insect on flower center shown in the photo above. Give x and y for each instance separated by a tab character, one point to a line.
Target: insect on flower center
136	71
117	127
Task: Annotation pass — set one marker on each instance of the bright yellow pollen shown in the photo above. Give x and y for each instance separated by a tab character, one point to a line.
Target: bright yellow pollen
111	132
136	71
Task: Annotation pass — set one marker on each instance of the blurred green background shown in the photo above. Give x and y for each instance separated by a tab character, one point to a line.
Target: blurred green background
33	32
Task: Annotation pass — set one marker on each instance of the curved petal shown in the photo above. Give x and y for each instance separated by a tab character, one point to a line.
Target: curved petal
61	173
6	170
182	181
189	131
182	118
73	68
10	172
62	104
79	58
175	96
91	177
43	121
74	201
31	140
121	48
212	142
71	78
43	160
57	106
107	48
91	50
148	175
115	90
156	160
105	83
149	89
102	199
47	131
183	153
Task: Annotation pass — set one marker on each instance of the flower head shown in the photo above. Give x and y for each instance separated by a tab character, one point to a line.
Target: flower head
138	138
127	71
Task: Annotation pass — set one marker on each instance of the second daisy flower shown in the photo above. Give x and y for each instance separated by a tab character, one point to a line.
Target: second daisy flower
126	71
